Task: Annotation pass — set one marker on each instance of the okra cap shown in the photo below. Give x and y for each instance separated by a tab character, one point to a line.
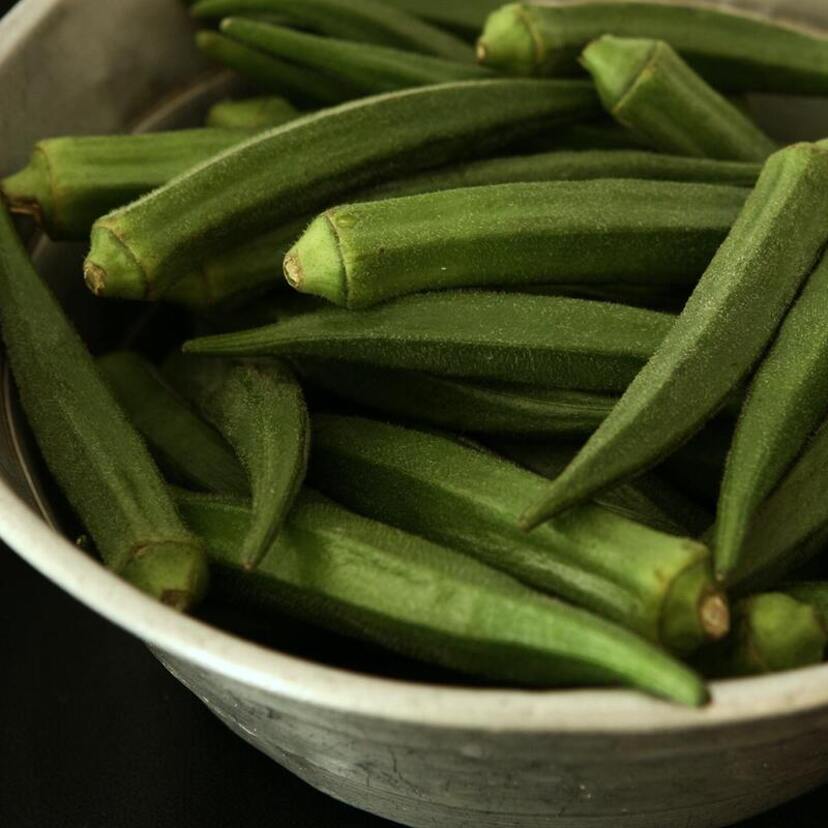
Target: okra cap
508	42
111	269
315	264
616	63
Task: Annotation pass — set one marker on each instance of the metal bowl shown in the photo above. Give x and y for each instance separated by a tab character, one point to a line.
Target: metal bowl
417	753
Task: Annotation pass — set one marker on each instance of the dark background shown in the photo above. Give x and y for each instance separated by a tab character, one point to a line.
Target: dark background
94	733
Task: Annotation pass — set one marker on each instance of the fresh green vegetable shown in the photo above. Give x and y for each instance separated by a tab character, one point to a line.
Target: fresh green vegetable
366	21
600	231
260	410
572	165
786	401
813	593
790	526
359	577
286	172
648	499
97	458
734	52
467	498
251	113
649	89
477	407
544	340
70	182
464	16
272	75
369	69
728	322
772	632
191	450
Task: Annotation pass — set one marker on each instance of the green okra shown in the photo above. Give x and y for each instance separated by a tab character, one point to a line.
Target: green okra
733	52
723	330
365	21
648	88
95	455
369	69
772	632
463	16
787	400
572	165
790	526
72	181
663	297
813	593
461	405
261	412
286	172
251	113
598	134
649	499
506	235
352	575
193	451
467	498
547	341
238	273
297	83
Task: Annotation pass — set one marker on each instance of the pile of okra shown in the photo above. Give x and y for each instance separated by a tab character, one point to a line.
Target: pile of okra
503	338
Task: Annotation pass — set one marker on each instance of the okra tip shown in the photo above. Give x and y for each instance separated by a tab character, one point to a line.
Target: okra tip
508	42
173	572
615	64
315	263
111	269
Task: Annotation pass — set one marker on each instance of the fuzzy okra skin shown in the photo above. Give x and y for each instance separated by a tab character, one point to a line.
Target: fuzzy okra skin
507	235
352	575
789	528
787	400
70	182
364	21
260	410
183	443
251	113
732	315
648	88
733	52
648	499
467	498
94	454
772	632
547	341
476	407
270	74
304	165
369	69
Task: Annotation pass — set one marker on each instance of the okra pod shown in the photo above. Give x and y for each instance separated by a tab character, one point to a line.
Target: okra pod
94	454
297	83
733	52
352	575
467	498
549	341
572	165
787	400
261	412
365	21
772	632
500	235
193	452
648	88
464	16
251	113
72	181
476	407
286	172
790	526
649	499
369	69
726	325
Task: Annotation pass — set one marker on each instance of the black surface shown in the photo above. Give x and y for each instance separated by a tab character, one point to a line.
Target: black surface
94	733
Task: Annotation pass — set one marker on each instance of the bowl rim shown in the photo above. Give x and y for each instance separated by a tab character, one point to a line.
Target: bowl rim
417	704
